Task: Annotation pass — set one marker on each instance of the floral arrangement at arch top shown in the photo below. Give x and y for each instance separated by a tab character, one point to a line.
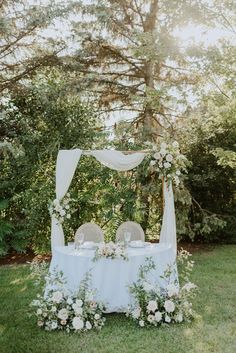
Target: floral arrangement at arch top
169	162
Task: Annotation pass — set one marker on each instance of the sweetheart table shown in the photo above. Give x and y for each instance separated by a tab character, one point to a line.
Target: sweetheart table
111	277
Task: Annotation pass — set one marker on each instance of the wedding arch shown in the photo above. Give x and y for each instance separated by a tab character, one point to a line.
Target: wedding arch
68	160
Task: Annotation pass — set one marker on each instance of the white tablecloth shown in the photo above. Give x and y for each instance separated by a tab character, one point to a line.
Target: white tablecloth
111	277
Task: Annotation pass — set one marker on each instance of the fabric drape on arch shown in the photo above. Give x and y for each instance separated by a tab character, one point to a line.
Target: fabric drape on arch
67	162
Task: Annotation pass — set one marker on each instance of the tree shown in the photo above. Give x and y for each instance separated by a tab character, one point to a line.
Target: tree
23	46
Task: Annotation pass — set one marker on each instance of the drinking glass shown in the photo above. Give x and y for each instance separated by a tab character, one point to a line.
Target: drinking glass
127	236
80	239
71	245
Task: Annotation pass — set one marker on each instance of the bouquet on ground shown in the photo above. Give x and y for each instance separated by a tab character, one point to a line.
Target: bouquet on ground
61	209
111	251
154	305
61	310
169	162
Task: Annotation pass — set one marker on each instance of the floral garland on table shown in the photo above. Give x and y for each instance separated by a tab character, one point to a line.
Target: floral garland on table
169	162
111	251
60	310
61	209
155	306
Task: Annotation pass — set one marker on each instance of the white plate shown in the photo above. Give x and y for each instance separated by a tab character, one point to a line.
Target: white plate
137	244
88	245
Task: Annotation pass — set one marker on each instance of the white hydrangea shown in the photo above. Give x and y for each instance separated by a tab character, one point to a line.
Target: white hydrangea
88	325
158	316
152	305
63	314
77	323
69	301
57	297
169	306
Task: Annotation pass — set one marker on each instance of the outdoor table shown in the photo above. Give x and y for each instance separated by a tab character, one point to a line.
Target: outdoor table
111	277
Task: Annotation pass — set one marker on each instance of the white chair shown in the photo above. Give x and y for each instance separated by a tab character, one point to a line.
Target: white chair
134	228
91	232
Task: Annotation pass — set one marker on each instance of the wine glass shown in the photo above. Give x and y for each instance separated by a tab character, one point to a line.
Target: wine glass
127	236
80	239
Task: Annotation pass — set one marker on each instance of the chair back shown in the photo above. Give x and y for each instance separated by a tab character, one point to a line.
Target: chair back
134	228
91	231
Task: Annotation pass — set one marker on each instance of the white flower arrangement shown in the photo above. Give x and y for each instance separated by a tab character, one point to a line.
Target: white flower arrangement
169	162
60	310
61	209
155	306
110	250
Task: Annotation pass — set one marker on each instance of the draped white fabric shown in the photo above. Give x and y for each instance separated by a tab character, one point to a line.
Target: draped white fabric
67	161
168	229
117	160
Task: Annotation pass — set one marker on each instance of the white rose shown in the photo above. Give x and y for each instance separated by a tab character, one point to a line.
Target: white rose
88	325
68	216
169	157
167	319
158	316
152	305
178	172
167	165
53	309
62	213
179	317
77	323
151	318
63	314
39	312
54	325
163	145
40	323
169	306
141	323
79	302
172	290
157	155
136	313
67	207
56	202
96	316
57	297
152	163
175	144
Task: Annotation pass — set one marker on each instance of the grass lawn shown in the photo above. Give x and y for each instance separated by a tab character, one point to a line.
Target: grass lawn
215	331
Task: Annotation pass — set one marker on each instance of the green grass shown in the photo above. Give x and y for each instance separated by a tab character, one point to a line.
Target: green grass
214	331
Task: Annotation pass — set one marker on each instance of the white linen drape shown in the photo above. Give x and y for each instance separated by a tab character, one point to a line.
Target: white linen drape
117	160
168	229
67	161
